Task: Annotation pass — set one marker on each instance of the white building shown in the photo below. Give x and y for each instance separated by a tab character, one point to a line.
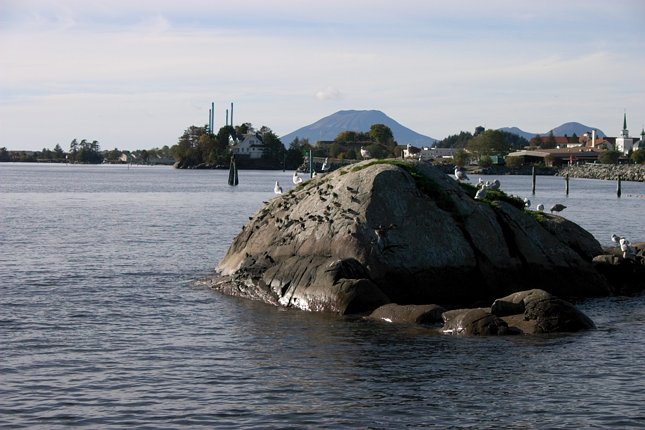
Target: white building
436	153
411	152
250	146
623	142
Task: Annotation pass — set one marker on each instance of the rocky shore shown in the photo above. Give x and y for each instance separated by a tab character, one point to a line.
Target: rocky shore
627	172
378	233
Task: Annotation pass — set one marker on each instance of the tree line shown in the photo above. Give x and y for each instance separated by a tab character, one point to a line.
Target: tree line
199	147
88	152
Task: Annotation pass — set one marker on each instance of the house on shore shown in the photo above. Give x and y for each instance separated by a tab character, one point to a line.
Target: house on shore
251	146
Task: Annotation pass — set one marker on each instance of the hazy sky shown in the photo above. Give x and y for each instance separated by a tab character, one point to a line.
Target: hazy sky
135	74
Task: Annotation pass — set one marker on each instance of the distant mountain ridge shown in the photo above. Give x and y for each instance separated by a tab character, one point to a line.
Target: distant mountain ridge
568	128
330	126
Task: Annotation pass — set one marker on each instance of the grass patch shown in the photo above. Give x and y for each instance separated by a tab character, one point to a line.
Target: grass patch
537	216
493	195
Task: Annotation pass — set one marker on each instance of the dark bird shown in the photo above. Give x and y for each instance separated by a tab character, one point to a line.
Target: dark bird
558	207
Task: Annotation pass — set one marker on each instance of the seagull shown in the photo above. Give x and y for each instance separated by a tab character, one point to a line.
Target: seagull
616	239
527	202
277	188
540	207
324	167
461	175
296	179
557	207
480	194
494	185
481	182
628	251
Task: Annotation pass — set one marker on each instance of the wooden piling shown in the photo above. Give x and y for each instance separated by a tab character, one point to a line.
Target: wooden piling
533	180
618	187
566	184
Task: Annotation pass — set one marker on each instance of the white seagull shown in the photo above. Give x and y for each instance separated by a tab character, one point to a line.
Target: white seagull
481	193
540	207
616	239
461	175
527	202
628	251
296	179
324	167
277	188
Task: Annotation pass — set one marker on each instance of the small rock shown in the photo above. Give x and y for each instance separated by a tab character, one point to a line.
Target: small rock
408	314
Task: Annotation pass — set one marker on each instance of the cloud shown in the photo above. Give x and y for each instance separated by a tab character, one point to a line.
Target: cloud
329	93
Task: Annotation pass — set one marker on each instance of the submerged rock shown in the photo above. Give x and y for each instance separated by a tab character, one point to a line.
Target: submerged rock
525	312
537	311
375	233
471	322
408	314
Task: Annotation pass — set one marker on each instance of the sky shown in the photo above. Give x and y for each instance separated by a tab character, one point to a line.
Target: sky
136	74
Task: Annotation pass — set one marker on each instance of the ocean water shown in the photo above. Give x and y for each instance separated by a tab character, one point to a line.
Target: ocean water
103	323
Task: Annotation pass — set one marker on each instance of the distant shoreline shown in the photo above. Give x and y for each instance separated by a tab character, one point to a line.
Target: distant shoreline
606	172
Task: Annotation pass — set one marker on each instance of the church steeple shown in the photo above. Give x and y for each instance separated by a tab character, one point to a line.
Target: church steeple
625	121
624	132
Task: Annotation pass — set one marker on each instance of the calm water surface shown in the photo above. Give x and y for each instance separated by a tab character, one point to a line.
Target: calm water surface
103	325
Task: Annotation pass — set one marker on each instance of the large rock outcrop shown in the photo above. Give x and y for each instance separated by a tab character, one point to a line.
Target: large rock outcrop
376	233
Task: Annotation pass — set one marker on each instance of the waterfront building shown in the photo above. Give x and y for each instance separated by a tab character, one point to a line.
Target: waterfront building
624	143
250	146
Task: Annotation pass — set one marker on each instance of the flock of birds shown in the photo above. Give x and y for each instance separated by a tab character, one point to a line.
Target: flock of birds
277	188
484	186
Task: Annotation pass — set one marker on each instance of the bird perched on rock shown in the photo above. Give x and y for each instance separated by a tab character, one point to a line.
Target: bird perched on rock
460	175
540	207
296	179
616	239
481	193
277	188
626	247
494	185
527	202
557	207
